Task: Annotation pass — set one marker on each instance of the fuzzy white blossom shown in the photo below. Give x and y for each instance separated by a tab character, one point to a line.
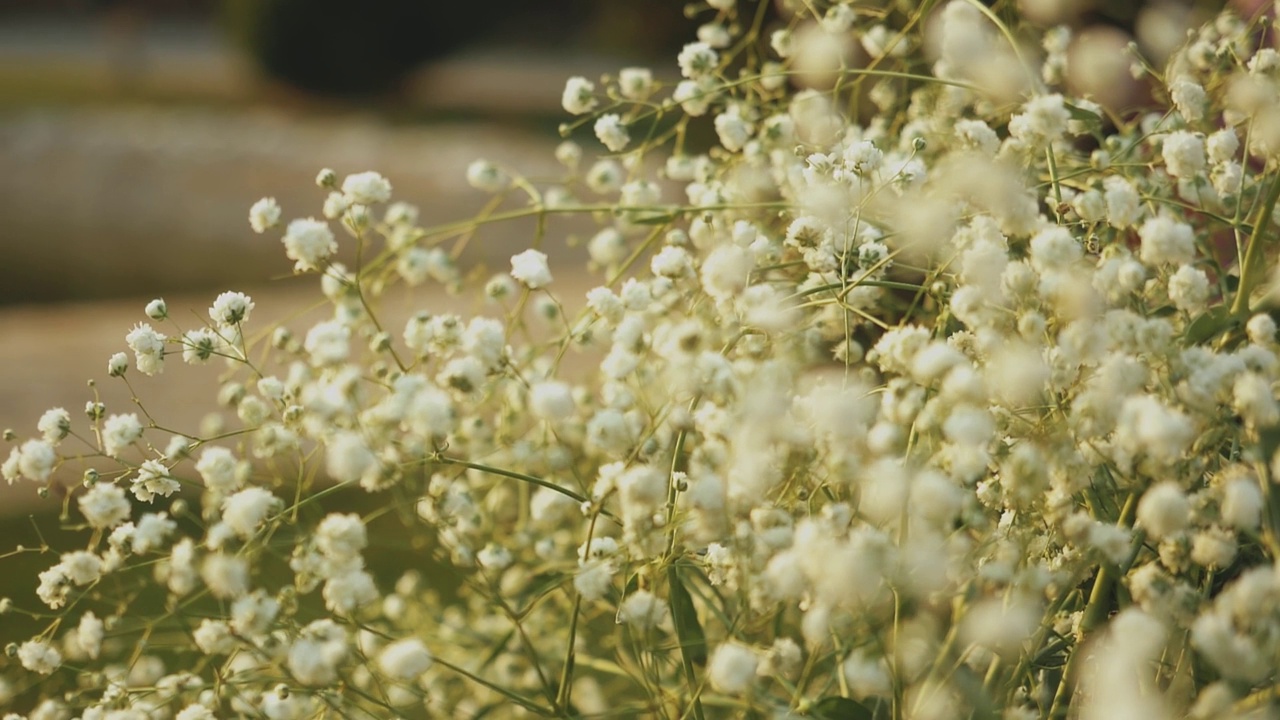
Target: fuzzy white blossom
264	215
530	267
578	97
309	242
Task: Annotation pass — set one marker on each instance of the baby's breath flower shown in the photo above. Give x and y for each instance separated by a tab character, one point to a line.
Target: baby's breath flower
309	243
697	60
530	268
635	83
157	310
732	667
612	132
579	96
264	215
484	175
231	308
366	188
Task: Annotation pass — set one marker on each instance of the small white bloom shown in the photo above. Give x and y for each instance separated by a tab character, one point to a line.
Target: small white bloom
54	424
404	660
612	132
1183	154
1189	289
35	460
1166	241
329	343
697	60
530	267
1164	510
157	309
635	83
264	215
366	188
153	479
104	506
199	345
231	308
309	242
39	657
484	175
148	348
246	511
579	96
643	611
732	668
119	432
552	400
117	364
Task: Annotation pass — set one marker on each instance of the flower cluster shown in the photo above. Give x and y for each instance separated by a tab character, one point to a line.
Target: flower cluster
923	388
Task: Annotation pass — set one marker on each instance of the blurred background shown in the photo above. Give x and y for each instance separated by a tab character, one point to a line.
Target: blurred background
135	134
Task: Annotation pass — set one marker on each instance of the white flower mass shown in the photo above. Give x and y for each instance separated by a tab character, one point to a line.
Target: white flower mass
925	376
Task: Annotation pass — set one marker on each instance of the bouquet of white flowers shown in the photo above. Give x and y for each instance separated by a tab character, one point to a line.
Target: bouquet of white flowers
913	385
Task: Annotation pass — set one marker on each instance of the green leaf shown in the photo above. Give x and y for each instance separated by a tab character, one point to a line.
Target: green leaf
840	708
1210	325
693	643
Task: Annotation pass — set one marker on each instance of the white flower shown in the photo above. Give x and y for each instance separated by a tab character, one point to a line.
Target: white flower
328	343
1123	202
552	400
119	432
579	96
733	130
349	591
199	345
153	479
732	668
214	637
148	348
117	364
612	132
195	711
1189	97
1043	120
39	657
309	242
227	576
697	60
348	458
320	648
218	467
341	536
89	634
694	96
54	424
635	83
152	531
1164	510
157	309
643	611
104	506
35	460
245	511
366	188
484	175
81	567
404	660
231	308
264	215
1183	154
1223	145
1166	241
530	267
1189	289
